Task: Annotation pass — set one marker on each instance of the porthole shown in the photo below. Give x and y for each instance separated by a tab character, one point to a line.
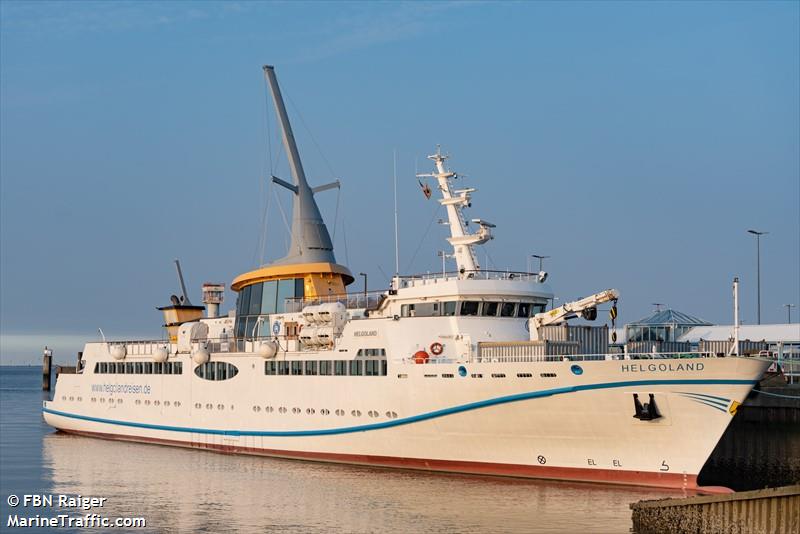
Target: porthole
177	404
282	409
63	397
80	399
220	406
157	402
547	375
94	399
166	403
310	411
356	413
72	399
119	401
325	411
476	375
524	375
372	413
340	412
498	375
269	409
147	403
198	405
256	409
296	410
209	406
391	415
102	399
447	375
138	401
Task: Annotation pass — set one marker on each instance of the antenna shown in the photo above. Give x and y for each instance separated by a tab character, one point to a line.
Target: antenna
396	237
185	300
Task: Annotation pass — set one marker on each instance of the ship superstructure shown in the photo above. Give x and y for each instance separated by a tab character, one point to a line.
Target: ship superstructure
465	371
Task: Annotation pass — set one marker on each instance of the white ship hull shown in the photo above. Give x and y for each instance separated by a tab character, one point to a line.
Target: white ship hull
567	426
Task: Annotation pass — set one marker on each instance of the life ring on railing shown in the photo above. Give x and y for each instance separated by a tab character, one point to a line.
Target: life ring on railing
420	357
437	348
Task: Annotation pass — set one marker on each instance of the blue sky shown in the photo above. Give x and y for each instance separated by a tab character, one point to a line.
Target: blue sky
635	143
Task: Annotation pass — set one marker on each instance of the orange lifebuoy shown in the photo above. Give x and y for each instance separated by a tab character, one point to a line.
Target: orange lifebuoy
436	348
420	357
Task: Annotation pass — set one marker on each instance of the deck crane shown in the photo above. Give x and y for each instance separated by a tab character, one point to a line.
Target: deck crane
585	307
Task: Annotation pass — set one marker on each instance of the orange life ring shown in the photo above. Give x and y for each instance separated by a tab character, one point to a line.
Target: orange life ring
420	357
436	348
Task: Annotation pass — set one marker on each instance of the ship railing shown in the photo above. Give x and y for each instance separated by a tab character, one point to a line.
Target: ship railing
138	347
370	300
519	357
445	276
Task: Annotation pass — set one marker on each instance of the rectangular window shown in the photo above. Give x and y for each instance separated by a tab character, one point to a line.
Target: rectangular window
138	368
371	368
297	368
270	368
340	368
158	368
355	367
490	309
177	368
449	308
507	309
524	309
285	291
240	324
129	368
470	307
325	367
406	310
538	308
255	299
167	368
383	367
148	368
311	367
299	288
283	368
244	301
269	297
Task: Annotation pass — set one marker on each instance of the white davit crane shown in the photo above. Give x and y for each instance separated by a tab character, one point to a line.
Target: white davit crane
585	307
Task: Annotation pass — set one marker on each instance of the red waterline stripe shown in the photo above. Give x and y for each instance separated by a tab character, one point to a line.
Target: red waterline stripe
573	474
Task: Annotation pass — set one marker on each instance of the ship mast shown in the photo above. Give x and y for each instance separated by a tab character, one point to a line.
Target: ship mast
455	201
311	242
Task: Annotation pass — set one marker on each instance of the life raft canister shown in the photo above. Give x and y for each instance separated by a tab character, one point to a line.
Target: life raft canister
436	348
421	357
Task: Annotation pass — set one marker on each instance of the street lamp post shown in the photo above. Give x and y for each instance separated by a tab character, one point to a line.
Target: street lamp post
758	268
365	288
789	312
541	261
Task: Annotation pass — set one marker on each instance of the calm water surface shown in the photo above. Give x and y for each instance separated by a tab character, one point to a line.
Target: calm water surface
184	490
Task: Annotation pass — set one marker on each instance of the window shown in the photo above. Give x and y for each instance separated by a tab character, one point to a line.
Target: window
538	308
244	301
283	368
507	309
120	368
524	375
138	368
297	368
148	368
216	371
470	307
355	368
129	368
177	368
311	367
269	297
498	375
167	368
524	309
383	368
158	368
285	291
449	308
490	309
255	299
270	368
371	367
340	368
325	367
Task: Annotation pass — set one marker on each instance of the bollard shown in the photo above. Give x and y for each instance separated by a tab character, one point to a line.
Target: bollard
47	365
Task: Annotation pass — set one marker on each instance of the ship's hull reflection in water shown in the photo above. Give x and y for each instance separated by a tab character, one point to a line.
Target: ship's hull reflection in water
183	490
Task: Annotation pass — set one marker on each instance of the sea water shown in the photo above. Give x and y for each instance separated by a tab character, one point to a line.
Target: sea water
186	490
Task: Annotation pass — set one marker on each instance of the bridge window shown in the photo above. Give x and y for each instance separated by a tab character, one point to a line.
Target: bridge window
470	307
269	297
355	367
524	309
490	309
507	309
255	299
449	308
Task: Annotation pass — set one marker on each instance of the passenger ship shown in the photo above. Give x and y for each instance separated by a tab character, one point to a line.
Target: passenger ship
465	371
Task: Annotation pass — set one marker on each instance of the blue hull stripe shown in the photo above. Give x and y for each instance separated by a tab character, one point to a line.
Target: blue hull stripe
715	406
712	397
413	419
706	401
